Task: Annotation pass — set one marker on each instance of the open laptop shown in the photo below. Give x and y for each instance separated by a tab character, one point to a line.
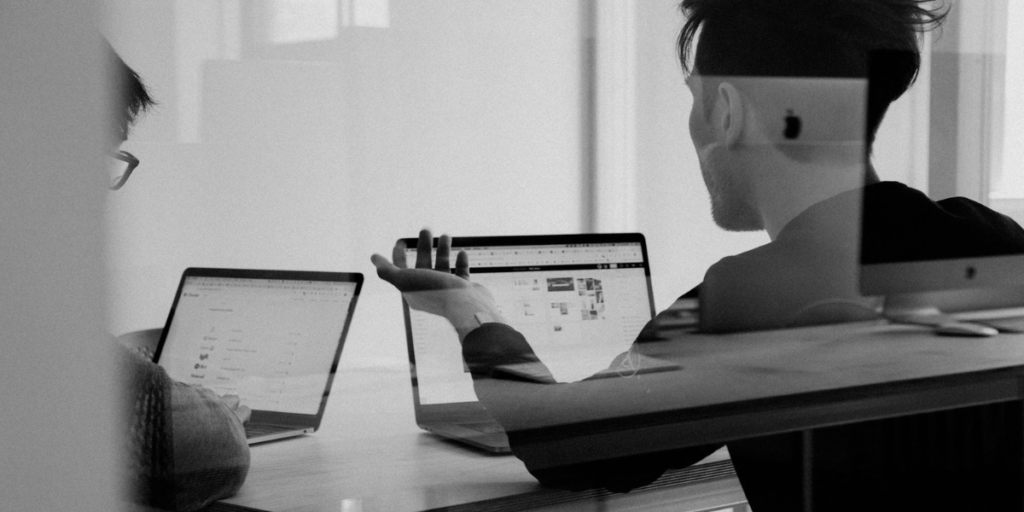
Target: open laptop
580	300
272	337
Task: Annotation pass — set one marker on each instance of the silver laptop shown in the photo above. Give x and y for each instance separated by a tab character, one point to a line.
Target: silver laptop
580	300
272	337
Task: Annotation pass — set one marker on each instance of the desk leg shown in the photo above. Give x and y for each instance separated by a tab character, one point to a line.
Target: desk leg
807	469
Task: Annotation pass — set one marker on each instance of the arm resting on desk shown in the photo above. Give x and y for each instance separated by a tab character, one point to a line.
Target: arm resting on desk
185	447
515	402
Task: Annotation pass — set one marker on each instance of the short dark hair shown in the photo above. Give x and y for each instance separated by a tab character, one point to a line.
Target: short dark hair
808	38
129	95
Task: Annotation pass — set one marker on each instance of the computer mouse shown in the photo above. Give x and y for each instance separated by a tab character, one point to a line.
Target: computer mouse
965	329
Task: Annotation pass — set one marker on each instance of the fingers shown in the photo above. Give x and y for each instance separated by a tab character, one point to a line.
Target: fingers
405	279
207	393
235	404
444	248
423	247
243	413
462	265
398	254
385	269
409	279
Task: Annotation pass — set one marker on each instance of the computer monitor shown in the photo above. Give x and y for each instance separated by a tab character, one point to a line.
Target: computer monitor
958	269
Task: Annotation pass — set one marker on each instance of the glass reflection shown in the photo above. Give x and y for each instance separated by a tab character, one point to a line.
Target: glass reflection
781	154
290	137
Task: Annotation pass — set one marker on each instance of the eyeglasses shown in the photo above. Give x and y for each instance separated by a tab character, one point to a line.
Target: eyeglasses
120	166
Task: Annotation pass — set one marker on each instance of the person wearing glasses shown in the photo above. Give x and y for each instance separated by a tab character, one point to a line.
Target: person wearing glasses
121	165
184	446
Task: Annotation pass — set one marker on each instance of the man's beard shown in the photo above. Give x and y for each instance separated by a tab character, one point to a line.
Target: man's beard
731	205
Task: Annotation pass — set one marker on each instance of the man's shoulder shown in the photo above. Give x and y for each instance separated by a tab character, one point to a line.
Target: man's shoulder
903	224
891	198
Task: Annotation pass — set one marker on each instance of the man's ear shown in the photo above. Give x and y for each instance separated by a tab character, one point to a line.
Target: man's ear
733	116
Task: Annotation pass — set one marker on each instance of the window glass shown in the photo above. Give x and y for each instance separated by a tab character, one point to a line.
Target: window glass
1008	181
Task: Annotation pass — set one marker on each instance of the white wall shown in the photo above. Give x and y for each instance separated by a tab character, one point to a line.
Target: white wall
1011	183
56	426
461	115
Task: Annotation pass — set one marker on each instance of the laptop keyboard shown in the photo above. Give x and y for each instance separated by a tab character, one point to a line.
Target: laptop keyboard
262	430
486	428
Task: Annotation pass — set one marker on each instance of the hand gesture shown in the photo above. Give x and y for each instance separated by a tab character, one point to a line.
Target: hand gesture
232	401
235	404
438	291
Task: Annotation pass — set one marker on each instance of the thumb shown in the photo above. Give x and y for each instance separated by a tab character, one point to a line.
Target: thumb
385	269
244	413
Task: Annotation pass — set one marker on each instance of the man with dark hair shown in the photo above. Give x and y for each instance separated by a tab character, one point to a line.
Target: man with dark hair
184	446
746	54
129	96
807	38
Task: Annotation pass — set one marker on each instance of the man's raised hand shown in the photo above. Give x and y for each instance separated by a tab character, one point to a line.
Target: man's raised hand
433	288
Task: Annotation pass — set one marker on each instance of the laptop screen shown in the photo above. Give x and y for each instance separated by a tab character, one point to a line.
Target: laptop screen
578	304
272	342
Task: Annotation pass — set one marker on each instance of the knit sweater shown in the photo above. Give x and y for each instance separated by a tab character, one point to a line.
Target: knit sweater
184	448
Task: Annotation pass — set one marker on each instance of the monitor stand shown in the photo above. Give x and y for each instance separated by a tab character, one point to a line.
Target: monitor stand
972	312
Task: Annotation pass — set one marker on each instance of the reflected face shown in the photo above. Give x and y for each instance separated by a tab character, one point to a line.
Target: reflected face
728	186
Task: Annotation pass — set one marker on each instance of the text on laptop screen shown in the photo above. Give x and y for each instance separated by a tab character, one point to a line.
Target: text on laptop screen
578	305
271	342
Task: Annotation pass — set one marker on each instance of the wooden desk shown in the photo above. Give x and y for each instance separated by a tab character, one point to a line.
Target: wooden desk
746	385
370	456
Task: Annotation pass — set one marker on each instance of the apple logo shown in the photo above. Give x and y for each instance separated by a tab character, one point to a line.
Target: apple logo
792	130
